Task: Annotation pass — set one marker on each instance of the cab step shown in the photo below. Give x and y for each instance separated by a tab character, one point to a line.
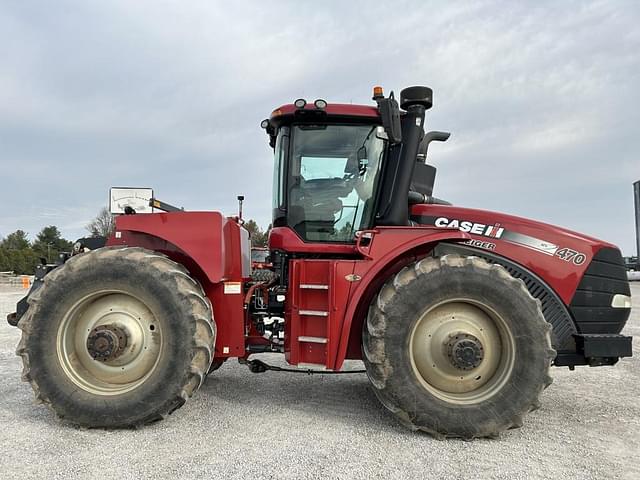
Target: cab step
307	339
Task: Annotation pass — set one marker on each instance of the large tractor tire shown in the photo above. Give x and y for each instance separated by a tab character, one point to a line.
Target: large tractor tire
117	337
456	347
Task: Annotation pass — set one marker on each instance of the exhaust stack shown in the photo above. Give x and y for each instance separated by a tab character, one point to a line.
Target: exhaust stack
394	207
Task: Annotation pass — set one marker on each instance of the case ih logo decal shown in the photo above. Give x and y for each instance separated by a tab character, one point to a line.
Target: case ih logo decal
497	231
493	231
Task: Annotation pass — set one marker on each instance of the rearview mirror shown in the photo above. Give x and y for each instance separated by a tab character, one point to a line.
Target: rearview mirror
390	114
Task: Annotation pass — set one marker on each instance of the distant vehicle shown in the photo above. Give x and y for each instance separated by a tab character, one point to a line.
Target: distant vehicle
631	263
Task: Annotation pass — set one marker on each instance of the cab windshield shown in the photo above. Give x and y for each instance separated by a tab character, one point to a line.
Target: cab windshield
332	179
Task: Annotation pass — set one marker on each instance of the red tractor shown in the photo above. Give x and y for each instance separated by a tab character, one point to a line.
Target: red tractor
457	313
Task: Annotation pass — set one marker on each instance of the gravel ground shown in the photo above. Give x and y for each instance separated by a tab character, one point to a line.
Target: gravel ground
278	425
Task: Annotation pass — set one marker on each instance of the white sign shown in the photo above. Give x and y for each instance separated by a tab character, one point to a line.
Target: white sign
232	288
136	198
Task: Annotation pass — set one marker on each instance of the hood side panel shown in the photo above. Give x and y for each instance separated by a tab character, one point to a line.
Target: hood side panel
557	255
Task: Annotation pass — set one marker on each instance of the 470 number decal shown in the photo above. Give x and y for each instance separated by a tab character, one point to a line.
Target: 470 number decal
569	255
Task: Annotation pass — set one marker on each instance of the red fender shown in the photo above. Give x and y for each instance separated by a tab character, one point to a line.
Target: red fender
214	243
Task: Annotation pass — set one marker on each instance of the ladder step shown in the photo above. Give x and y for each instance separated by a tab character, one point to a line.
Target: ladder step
313	286
313	313
312	339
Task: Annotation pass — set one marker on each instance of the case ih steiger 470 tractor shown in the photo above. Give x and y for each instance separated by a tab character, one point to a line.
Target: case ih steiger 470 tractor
458	314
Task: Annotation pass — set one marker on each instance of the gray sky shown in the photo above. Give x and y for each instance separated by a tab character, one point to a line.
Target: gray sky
543	101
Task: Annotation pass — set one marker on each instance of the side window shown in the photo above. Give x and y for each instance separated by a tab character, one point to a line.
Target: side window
279	170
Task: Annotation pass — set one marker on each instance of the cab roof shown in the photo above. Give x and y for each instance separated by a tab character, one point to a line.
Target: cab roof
367	112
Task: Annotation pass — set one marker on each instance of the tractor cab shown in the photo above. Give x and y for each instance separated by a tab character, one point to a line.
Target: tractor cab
340	169
326	179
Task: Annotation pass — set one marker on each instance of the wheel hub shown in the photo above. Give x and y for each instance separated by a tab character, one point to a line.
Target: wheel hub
106	342
465	351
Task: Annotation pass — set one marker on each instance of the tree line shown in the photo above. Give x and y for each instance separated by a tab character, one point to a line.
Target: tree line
21	256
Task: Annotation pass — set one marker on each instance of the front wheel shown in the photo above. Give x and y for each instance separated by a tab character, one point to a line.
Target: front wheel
456	347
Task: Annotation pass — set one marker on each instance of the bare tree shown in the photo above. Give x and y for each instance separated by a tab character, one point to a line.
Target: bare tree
103	225
258	237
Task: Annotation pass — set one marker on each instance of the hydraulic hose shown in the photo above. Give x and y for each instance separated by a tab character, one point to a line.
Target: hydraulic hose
416	198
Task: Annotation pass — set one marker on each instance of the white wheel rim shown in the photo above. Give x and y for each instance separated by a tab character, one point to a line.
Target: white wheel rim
447	324
137	356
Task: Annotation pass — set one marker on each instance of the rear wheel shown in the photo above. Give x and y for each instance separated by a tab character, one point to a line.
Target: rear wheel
116	338
457	347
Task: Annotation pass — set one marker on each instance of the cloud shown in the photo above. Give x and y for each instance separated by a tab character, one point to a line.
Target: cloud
541	99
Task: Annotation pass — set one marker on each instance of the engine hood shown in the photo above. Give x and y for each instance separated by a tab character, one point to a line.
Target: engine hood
558	255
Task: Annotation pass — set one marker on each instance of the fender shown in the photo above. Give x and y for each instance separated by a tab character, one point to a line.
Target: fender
390	249
217	245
